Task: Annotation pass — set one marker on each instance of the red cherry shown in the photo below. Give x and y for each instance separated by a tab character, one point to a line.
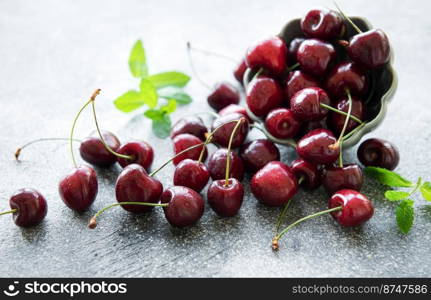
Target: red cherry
337	120
217	165
256	154
192	125
297	81
346	177
318	147
315	56
305	104
191	174
225	200
263	94
141	151
225	125
310	174
349	76
378	153
182	142
29	207
239	71
281	123
293	49
222	95
270	54
322	24
235	108
93	150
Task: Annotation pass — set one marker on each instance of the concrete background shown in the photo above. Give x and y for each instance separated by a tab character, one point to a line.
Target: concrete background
53	54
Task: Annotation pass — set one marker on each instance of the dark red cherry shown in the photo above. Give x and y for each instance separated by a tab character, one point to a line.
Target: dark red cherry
263	94
282	124
337	120
293	49
226	124
274	184
305	104
370	49
310	174
185	207
239	71
31	207
192	125
225	200
378	153
322	24
256	154
182	142
270	54
222	95
356	208
79	188
235	108
311	125
297	81
346	177
315	56
93	150
344	76
191	174
217	165
318	147
141	151
135	185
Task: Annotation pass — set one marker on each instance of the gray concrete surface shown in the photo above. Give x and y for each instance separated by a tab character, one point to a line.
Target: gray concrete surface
53	54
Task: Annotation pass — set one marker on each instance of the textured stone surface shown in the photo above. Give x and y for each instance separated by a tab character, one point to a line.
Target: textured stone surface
53	54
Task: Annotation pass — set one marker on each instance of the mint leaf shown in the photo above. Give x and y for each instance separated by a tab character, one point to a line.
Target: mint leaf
137	61
162	127
181	97
154	114
170	107
129	101
426	190
405	215
172	78
149	93
396	195
387	177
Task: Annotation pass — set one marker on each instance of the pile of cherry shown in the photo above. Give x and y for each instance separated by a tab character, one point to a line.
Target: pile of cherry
301	92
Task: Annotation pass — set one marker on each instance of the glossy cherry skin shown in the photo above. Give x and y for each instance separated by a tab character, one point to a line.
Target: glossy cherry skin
339	178
317	147
356	208
217	165
315	56
225	125
312	177
270	54
370	49
239	71
182	142
79	188
185	207
256	154
263	94
298	80
305	104
322	24
93	150
141	151
225	200
222	95
311	125
378	153
344	76
274	184
293	49
192	174
31	207
282	123
235	108
192	125
135	185
337	120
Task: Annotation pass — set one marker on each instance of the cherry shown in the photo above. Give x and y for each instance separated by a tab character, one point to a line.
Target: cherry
239	71
185	207
28	207
222	95
93	150
192	125
79	188
311	125
343	177
378	153
235	108
270	54
274	184
225	200
315	56
263	94
319	146
298	80
306	104
282	123
192	174
217	165
337	120
225	125
347	75
293	49
256	154
140	153
184	141
322	24
307	173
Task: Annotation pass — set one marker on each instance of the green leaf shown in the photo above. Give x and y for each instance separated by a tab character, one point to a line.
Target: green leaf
137	61
172	78
426	190
387	177
396	195
129	101
170	107
149	93
162	128
405	215
154	114
181	97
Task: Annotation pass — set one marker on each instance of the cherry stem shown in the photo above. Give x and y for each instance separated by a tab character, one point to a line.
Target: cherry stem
301	180
93	223
353	131
192	66
347	18
284	231
293	67
343	131
93	96
211	53
12	211
281	216
328	107
18	151
229	150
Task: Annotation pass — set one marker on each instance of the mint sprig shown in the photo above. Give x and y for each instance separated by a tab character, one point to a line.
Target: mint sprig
167	86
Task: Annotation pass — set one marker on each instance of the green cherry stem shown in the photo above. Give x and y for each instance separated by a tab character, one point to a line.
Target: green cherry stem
343	131
9	212
353	131
347	18
328	107
281	216
18	151
293	67
229	150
